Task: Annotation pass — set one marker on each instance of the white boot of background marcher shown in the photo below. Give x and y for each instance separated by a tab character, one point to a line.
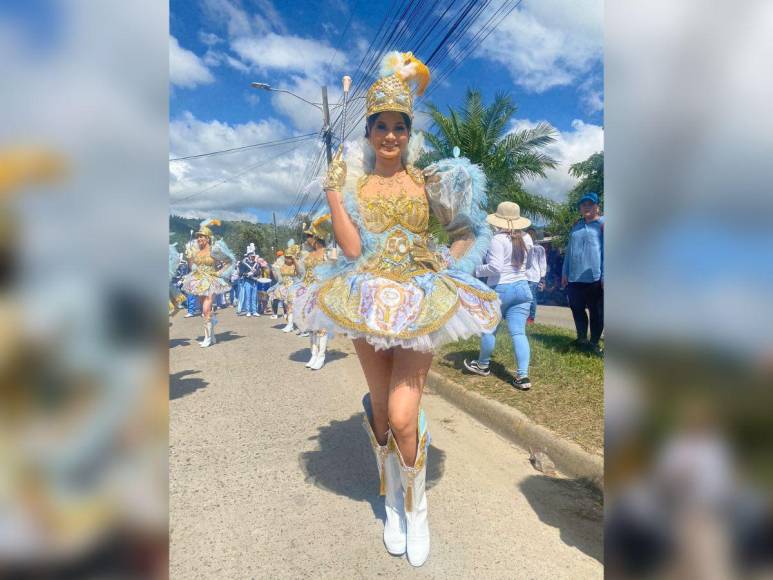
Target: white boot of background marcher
206	339
209	334
213	323
314	349
414	481
390	486
319	361
289	327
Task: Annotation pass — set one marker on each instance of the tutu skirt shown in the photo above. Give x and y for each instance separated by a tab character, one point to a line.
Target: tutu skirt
420	313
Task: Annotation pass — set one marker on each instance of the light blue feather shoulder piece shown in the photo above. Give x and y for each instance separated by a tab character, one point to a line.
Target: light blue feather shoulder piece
222	253
174	260
461	195
367	240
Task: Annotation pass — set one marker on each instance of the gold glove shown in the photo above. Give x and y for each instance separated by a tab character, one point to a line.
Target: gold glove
336	172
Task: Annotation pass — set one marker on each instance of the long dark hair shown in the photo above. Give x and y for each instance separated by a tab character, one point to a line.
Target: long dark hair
519	248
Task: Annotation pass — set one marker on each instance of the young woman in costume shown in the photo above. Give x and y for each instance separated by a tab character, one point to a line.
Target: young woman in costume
205	280
287	274
395	292
320	230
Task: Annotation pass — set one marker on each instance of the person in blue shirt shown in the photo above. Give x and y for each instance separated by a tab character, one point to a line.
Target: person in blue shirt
583	272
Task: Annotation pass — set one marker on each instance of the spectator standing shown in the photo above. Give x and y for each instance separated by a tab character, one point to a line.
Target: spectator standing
249	273
536	270
583	272
505	270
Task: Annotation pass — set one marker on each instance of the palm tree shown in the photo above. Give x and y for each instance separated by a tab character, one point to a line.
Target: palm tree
481	134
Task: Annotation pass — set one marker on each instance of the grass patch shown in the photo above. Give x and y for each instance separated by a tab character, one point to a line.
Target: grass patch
567	393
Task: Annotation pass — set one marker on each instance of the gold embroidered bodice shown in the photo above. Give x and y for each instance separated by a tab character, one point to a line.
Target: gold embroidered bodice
204	262
401	222
309	263
382	212
288	274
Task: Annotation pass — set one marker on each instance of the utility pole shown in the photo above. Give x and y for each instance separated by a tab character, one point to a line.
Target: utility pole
276	240
326	114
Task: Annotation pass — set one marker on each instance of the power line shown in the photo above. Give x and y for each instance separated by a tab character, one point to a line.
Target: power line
239	174
296	138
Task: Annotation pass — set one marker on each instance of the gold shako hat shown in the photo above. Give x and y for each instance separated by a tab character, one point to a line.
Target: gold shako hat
205	225
391	92
321	227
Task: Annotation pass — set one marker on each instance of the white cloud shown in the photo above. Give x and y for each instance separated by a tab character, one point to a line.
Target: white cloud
209	38
291	54
570	147
266	178
548	43
186	69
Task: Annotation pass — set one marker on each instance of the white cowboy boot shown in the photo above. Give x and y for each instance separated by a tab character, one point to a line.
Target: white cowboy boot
289	327
213	334
319	361
208	334
413	481
390	487
206	339
314	349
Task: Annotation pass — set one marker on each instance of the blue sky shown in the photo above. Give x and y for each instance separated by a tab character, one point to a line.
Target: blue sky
547	54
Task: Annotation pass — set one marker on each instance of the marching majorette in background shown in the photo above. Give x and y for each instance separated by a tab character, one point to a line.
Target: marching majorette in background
288	273
395	292
205	279
275	275
318	233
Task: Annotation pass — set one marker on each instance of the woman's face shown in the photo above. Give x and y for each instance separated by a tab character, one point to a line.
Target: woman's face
288	261
202	241
389	135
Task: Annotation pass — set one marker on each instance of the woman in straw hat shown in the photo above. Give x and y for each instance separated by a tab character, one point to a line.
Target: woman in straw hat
396	293
505	269
206	278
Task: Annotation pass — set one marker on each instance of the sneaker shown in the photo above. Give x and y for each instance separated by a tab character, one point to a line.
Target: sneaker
248	315
579	343
597	350
274	316
189	315
522	383
475	367
304	334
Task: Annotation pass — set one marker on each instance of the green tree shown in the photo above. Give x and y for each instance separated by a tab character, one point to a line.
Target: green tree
591	179
508	159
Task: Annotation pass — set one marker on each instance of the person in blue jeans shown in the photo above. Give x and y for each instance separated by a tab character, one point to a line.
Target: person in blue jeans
583	273
505	271
249	272
194	308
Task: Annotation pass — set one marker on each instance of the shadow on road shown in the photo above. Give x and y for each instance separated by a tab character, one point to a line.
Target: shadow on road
227	336
572	506
180	384
345	465
179	342
304	355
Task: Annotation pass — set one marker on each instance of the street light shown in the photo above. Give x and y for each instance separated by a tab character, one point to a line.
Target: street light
267	87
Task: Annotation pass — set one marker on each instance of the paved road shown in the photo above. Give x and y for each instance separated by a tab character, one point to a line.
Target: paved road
555	315
271	474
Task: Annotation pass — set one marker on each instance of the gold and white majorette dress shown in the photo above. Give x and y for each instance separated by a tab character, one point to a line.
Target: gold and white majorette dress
404	290
288	275
211	270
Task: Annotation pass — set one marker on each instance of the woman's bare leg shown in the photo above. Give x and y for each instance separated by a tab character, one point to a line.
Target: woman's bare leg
206	306
377	366
409	373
